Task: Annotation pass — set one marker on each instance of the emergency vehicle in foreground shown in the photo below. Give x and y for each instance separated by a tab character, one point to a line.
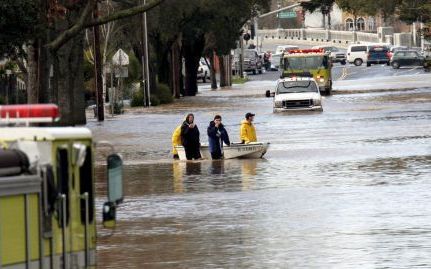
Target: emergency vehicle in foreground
296	94
47	191
313	63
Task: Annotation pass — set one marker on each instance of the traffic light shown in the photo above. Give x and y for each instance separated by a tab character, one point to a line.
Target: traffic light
252	31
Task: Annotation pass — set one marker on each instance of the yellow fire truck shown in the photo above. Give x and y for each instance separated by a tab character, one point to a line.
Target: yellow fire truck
47	191
313	63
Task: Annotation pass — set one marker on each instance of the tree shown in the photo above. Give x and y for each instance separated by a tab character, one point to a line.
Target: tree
65	52
324	6
417	11
18	23
191	29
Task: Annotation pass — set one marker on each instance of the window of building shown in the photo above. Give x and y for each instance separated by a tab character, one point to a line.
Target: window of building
349	24
371	24
360	24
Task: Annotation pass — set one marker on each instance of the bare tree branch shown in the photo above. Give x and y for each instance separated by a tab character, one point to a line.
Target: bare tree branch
75	29
124	13
83	23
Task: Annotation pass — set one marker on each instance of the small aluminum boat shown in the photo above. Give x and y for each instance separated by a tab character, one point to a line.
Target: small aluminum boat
254	150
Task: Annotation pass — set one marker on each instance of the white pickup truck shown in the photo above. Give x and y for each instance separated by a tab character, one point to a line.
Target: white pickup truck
296	94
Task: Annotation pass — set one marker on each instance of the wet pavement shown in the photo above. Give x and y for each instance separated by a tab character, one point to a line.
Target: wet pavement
345	188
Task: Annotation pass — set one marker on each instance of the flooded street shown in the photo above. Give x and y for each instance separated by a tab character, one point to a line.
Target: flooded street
346	188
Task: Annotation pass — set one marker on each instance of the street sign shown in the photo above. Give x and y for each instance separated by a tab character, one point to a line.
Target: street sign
287	14
121	72
120	58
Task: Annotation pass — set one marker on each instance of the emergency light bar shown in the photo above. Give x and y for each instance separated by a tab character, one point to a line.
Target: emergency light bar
38	113
306	51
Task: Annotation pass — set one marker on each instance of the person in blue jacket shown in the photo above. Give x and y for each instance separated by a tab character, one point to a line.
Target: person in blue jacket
217	134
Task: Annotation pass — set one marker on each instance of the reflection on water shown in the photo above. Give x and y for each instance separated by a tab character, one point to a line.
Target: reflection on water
347	188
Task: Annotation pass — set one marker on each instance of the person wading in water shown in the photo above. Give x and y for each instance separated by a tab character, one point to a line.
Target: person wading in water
190	138
217	134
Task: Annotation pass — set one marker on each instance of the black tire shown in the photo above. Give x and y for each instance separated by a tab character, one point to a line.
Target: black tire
358	62
395	65
328	90
368	64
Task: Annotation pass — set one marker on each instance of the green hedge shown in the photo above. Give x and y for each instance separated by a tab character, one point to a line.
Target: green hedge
163	95
137	99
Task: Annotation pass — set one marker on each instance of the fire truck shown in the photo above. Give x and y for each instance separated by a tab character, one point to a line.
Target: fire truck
313	63
47	191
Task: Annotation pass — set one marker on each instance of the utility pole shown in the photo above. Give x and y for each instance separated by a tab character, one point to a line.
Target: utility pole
241	56
145	60
143	57
8	75
422	35
278	14
98	71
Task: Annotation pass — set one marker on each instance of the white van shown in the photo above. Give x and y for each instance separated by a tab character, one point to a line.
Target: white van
357	54
296	94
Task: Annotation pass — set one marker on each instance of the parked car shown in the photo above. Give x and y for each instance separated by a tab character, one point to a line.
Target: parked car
252	62
427	64
203	70
378	54
407	58
335	54
284	48
296	94
394	49
357	54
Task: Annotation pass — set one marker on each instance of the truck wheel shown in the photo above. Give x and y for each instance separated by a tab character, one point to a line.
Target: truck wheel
358	62
328	90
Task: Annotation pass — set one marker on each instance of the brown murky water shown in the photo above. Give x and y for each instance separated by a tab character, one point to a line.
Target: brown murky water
346	188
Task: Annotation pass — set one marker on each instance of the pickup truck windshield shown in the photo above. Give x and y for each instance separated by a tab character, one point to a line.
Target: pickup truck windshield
311	62
296	86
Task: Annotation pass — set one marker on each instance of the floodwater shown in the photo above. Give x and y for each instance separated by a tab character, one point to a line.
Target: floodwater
346	188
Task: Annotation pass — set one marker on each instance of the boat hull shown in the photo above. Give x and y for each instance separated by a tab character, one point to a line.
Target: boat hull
253	150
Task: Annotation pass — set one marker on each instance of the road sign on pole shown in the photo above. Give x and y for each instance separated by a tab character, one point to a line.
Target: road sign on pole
287	14
120	58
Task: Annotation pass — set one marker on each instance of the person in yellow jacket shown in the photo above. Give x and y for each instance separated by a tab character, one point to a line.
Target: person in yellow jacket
176	141
247	131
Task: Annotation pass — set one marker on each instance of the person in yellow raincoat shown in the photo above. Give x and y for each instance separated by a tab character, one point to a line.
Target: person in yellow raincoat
176	141
247	131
